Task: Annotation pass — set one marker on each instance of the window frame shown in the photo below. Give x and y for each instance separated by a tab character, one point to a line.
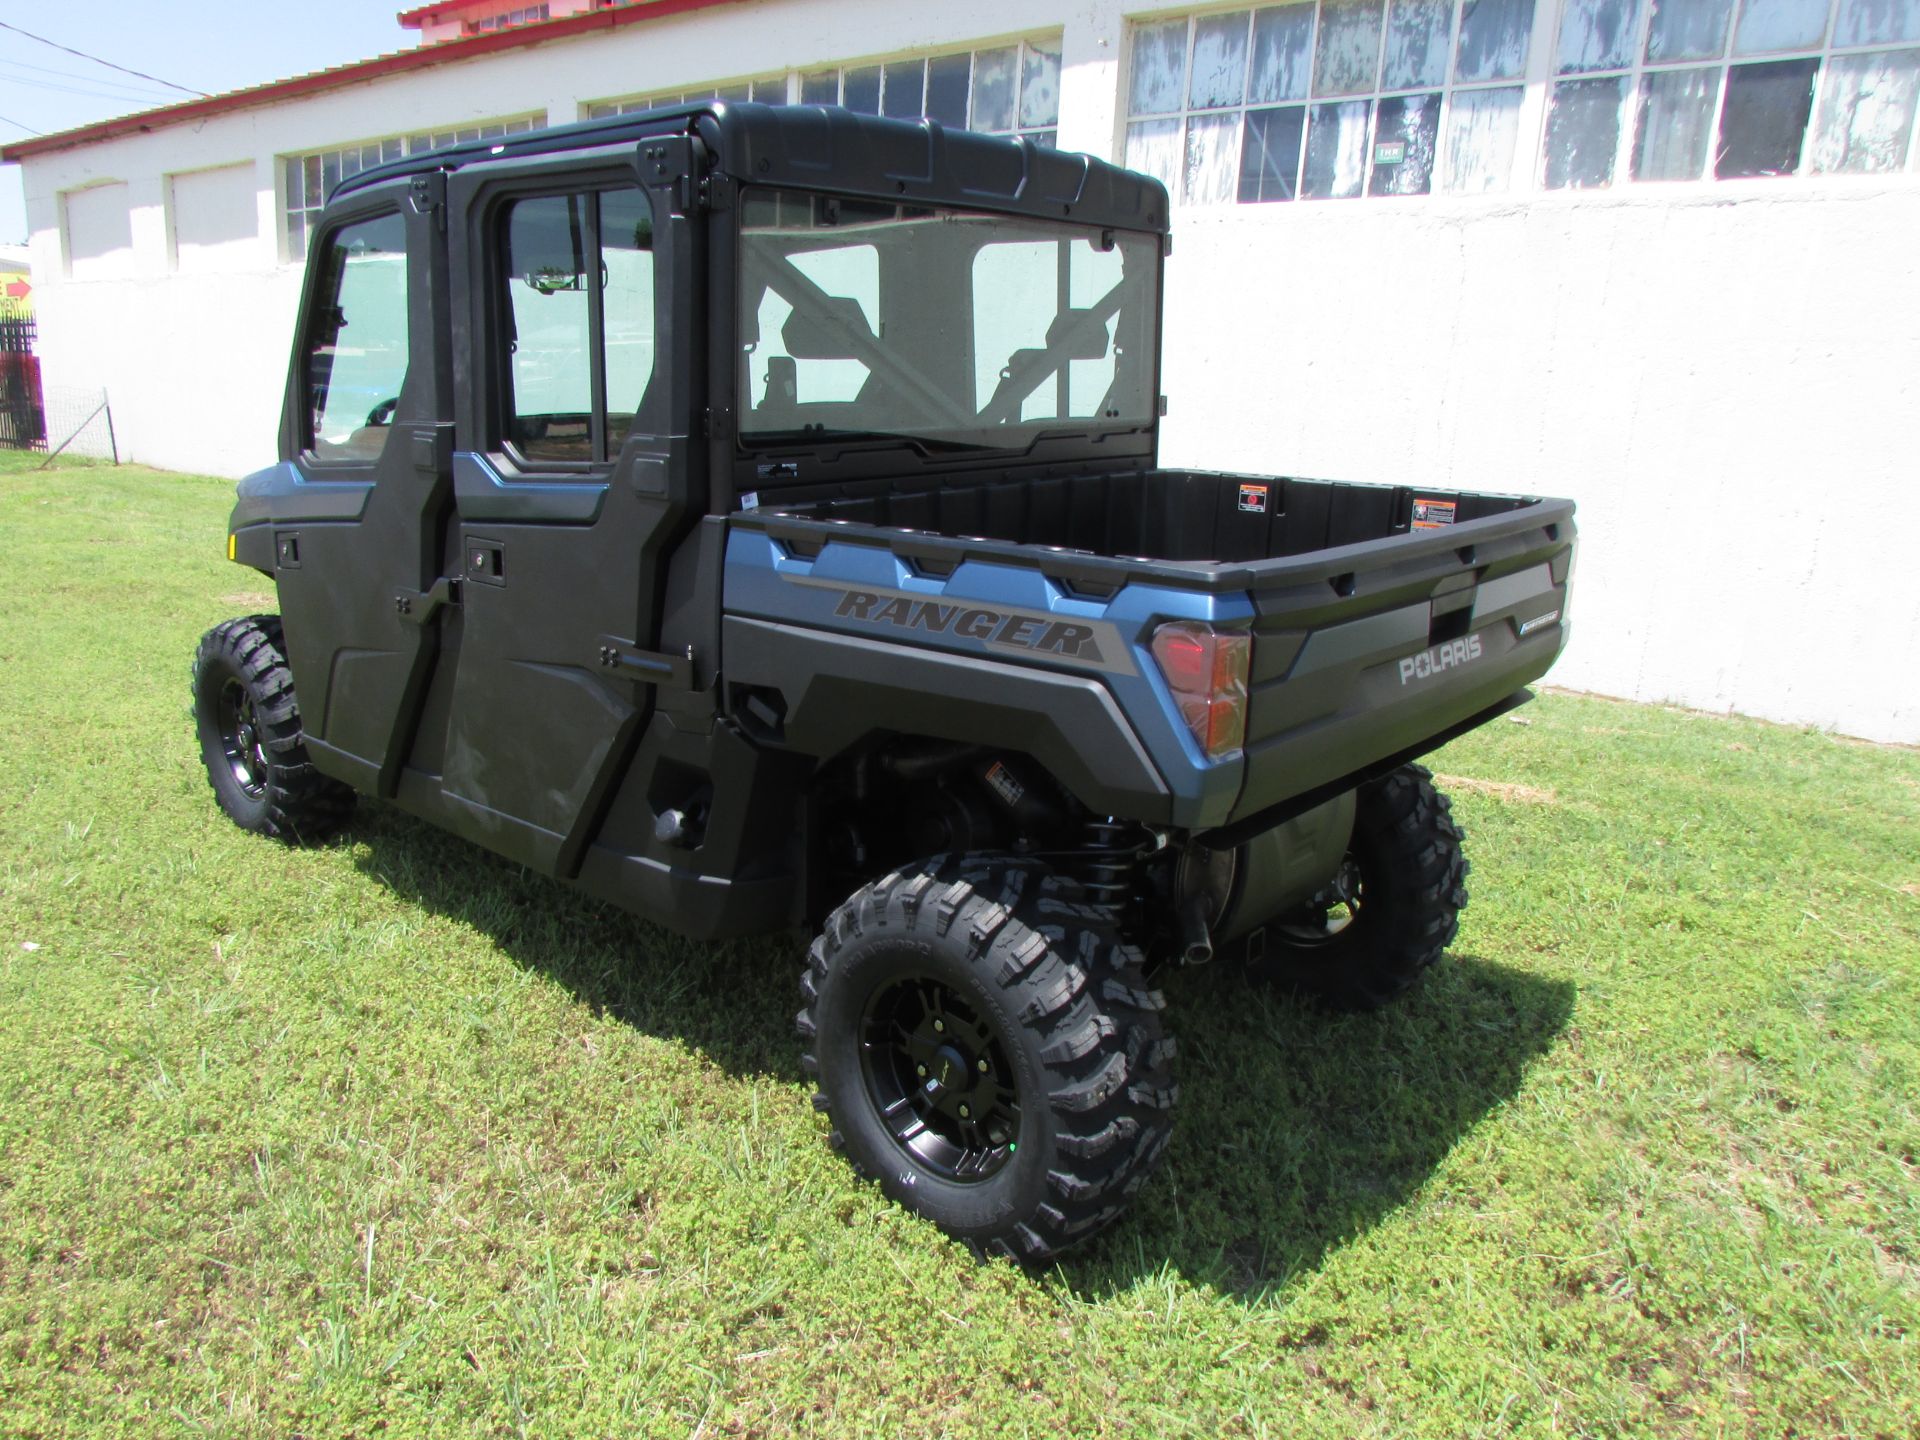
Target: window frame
321	171
377	205
1447	89
504	194
1639	68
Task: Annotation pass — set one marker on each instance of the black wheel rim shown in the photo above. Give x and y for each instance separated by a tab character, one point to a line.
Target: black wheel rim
1334	909
241	738
938	1074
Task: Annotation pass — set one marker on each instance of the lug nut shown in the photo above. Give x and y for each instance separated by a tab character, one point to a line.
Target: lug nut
919	1069
983	1067
939	1026
965	1113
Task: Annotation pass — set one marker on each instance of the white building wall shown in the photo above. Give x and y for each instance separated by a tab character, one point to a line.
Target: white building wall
1723	375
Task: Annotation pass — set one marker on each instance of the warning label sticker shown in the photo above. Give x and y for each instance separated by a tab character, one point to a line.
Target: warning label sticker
1253	498
1432	514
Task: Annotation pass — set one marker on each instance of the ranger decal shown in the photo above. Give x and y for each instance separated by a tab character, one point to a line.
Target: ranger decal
1041	633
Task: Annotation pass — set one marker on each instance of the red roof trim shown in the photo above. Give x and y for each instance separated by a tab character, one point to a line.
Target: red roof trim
471	47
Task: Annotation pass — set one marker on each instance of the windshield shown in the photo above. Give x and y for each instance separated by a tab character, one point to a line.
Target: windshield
861	319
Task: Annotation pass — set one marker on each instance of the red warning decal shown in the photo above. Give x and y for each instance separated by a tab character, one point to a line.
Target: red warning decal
1432	514
1253	498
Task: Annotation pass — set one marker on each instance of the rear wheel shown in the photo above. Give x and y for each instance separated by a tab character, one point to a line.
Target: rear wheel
250	736
1390	910
989	1051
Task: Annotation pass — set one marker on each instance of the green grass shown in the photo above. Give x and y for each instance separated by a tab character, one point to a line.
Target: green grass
392	1137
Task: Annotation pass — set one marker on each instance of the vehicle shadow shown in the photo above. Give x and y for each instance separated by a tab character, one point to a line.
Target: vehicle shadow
1297	1130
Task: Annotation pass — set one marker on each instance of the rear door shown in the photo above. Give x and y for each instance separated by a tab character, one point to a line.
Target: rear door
570	482
367	431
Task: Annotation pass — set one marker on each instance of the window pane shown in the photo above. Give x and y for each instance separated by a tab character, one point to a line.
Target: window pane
906	89
329	173
1866	112
296	235
1417	35
1270	153
1159	68
1583	132
1219	61
626	262
1597	34
1406	132
1044	139
1482	126
735	93
769	92
1347	54
1676	121
550	372
1764	119
1153	148
1040	84
1874	22
1780	25
290	183
1213	159
820	88
1282	47
947	90
993	89
861	90
356	358
1336	151
1494	36
1688	30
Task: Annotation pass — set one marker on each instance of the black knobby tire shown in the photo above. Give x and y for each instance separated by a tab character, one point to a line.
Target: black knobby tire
250	737
1391	912
1051	1015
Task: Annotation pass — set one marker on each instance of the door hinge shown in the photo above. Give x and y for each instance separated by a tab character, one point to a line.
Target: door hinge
418	607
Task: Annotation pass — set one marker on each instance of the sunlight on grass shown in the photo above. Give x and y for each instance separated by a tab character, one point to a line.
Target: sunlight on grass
394	1135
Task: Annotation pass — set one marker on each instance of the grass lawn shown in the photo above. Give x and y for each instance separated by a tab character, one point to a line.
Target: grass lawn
391	1137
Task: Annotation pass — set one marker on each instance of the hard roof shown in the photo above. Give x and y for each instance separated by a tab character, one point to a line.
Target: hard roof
822	147
470	47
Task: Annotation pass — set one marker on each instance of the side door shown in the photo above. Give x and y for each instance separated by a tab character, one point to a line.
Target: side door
366	433
571	481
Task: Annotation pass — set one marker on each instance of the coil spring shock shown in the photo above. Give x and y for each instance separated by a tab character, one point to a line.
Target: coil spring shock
1108	872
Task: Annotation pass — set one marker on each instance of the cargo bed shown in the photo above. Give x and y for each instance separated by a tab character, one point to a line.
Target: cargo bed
1373	639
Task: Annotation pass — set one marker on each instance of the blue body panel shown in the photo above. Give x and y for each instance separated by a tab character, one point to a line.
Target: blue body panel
765	580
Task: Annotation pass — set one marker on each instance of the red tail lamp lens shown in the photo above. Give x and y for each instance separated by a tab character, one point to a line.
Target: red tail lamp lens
1207	671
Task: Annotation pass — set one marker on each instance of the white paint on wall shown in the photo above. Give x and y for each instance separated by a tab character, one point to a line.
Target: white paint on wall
99	231
1725	376
216	221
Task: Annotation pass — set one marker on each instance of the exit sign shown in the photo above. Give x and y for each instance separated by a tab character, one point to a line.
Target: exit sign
1390	152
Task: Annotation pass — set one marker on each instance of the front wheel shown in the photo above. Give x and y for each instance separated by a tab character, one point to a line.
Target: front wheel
990	1052
1390	910
251	740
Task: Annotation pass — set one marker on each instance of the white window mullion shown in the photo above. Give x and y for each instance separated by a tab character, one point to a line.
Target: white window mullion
1530	145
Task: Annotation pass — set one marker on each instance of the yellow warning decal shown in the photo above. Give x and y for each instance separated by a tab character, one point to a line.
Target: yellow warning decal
232	540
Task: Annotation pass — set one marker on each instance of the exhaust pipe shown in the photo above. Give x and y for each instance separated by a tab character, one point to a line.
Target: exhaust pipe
1196	945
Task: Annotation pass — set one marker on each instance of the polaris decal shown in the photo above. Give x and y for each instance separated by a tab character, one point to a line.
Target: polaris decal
1449	656
1092	643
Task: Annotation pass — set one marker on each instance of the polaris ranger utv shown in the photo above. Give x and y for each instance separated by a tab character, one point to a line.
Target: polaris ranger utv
752	515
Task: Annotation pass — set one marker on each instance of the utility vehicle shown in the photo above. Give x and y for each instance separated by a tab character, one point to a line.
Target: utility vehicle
753	516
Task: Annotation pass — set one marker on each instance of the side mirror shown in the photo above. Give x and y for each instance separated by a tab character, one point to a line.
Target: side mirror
832	331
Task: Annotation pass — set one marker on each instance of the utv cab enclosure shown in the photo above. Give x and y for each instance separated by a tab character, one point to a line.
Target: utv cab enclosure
753	516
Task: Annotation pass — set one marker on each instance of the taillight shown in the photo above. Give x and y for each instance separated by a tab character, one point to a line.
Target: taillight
1207	671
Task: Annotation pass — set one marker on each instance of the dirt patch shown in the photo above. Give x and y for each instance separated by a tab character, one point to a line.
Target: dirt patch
1913	890
248	600
1498	789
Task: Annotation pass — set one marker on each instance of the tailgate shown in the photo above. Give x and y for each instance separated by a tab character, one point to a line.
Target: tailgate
1352	668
